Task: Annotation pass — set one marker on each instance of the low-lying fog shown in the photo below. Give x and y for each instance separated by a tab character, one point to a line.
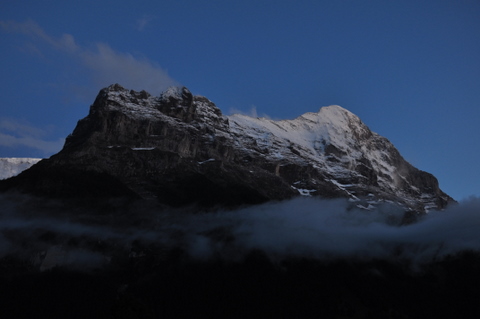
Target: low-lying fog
301	227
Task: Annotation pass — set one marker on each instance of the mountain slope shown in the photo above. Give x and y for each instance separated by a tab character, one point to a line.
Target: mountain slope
179	149
351	158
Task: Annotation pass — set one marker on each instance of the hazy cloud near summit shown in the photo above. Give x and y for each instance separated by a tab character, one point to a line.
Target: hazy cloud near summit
14	133
113	67
32	29
106	66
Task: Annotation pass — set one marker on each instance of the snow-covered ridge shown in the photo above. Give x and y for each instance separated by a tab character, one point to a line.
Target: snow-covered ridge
174	92
143	106
311	131
336	142
135	104
13	166
309	134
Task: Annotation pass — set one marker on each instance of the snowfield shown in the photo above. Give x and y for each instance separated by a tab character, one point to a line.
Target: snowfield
13	166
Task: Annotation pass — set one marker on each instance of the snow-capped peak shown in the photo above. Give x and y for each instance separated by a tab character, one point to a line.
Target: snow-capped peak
337	116
333	140
175	92
310	131
333	113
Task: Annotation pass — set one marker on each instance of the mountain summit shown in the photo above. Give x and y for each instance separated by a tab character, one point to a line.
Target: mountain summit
180	149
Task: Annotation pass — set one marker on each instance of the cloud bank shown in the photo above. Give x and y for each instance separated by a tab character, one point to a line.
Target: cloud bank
326	229
310	228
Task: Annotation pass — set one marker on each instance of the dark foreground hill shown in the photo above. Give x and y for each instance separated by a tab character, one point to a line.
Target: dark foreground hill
174	287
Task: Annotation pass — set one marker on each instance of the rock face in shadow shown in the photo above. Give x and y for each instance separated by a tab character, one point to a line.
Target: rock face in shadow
179	149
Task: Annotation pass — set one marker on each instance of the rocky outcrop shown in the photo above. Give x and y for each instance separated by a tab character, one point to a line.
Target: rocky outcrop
179	149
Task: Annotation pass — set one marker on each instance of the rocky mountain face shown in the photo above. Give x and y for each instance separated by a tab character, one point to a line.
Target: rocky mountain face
179	149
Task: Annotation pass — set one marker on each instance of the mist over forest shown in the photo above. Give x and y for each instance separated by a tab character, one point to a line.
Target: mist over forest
301	227
304	257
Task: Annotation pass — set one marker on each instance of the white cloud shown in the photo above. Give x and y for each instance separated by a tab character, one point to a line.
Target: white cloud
31	28
105	65
252	112
109	66
323	229
301	227
22	129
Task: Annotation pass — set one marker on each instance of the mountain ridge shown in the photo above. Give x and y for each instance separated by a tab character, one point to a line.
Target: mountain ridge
180	149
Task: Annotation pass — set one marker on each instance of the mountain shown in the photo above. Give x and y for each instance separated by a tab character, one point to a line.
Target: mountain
13	166
303	257
180	149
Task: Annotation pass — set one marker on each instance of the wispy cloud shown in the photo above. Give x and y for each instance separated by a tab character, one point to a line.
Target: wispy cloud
47	147
110	66
16	134
251	113
66	42
22	129
143	21
105	65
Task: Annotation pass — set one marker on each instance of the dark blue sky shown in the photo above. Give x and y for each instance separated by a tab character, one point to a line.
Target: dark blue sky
409	69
